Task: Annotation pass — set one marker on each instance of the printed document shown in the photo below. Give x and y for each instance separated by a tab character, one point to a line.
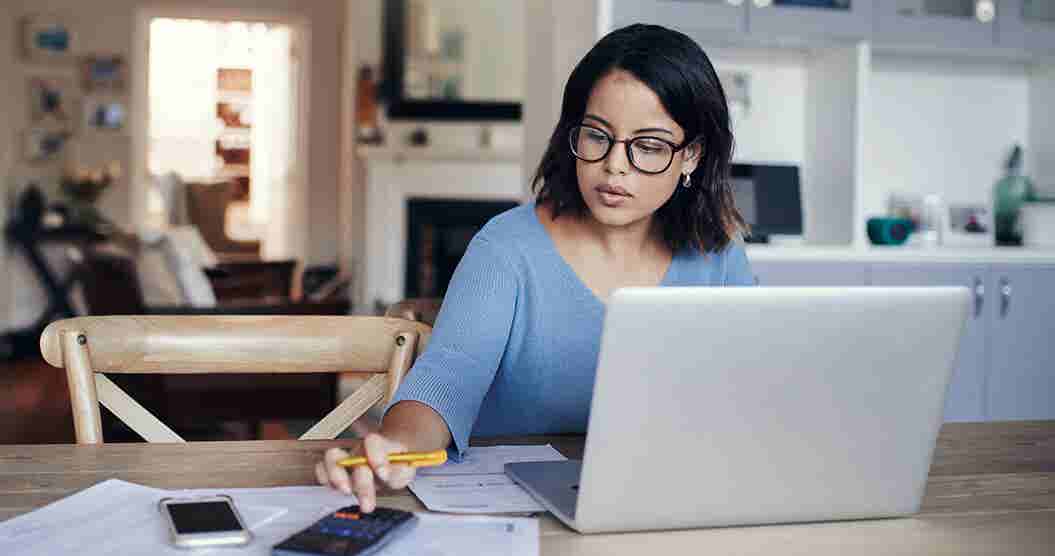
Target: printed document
478	484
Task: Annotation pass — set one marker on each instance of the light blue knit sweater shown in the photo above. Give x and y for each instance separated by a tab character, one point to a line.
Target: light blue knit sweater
514	349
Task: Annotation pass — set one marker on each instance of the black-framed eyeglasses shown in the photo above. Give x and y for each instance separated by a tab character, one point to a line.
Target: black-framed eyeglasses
648	154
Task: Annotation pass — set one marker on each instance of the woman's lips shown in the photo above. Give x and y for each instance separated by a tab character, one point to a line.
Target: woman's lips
612	195
613	190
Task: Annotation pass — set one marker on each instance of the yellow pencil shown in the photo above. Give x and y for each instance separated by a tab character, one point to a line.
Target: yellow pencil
415	459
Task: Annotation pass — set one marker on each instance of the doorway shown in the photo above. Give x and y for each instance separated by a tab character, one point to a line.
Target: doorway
223	109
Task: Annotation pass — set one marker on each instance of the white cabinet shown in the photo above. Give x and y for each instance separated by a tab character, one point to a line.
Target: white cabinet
845	19
937	23
1021	379
1005	366
797	273
965	399
691	17
972	28
1028	24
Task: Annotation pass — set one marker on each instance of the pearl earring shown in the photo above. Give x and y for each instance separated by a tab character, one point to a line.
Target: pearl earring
685	181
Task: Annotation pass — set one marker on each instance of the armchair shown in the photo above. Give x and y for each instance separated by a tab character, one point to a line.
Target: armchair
207	204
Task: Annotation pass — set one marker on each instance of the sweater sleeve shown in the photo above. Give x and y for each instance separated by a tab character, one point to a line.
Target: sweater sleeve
737	268
469	338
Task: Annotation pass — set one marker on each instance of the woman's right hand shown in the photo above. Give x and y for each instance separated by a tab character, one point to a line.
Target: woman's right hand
362	480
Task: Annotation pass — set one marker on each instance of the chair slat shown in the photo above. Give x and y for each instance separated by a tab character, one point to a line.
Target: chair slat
353	407
137	417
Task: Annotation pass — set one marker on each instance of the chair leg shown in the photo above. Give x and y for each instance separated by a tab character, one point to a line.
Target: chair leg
87	422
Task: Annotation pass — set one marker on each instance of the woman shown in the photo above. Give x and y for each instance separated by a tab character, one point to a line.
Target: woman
632	191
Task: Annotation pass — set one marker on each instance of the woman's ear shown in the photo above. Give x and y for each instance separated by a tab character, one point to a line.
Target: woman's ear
691	155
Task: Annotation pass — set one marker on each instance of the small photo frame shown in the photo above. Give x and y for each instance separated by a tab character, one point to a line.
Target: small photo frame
47	38
969	225
104	73
104	115
41	145
51	101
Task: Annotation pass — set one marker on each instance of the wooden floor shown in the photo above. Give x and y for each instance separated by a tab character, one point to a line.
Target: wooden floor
36	406
35	409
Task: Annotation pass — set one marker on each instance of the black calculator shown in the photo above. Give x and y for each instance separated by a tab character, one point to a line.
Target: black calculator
348	532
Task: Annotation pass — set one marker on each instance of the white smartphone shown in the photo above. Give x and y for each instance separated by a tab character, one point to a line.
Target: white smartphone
204	521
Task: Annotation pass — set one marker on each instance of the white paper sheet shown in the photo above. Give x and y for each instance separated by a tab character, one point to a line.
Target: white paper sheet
117	517
478	484
445	535
111	517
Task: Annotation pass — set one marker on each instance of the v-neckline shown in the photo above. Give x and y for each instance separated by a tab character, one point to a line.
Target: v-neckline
569	270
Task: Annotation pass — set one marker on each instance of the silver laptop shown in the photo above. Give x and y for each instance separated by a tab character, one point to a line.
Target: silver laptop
736	406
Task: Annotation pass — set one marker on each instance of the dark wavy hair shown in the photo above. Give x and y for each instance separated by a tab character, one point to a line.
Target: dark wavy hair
673	66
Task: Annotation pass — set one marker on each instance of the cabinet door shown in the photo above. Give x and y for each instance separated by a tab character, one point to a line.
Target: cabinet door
809	273
687	16
1027	24
803	18
965	398
936	23
1022	348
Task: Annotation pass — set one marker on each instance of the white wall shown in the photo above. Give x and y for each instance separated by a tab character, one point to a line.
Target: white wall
940	126
773	129
559	35
7	159
1042	128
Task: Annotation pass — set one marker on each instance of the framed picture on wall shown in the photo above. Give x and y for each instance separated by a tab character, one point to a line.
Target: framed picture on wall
104	114
48	38
51	101
41	145
103	73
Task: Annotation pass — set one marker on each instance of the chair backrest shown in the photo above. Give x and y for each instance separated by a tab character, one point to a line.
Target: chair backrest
87	347
420	309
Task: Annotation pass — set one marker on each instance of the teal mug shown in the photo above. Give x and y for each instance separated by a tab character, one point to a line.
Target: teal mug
889	231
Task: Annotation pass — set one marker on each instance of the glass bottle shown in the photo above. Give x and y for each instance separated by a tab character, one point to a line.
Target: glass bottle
1009	193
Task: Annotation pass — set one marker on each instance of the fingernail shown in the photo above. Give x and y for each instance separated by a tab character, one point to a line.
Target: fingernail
382	472
345	488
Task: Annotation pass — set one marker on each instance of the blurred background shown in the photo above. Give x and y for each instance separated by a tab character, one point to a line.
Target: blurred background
336	156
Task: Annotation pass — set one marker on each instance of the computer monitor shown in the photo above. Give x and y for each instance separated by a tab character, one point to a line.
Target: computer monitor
769	198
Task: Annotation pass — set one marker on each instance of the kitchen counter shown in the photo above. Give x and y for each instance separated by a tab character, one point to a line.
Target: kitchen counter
905	254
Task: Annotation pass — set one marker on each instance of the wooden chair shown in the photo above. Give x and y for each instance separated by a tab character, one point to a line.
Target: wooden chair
381	347
420	309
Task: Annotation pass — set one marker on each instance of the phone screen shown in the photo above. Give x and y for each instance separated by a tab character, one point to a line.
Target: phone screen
203	517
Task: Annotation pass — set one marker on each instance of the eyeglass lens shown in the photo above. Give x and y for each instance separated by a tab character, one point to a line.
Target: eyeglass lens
647	154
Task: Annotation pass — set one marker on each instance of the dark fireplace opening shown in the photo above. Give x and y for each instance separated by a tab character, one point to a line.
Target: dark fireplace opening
438	232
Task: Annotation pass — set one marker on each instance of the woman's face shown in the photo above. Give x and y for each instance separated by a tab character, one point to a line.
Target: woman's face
617	193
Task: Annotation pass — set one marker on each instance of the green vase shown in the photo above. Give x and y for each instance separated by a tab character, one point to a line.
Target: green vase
1009	194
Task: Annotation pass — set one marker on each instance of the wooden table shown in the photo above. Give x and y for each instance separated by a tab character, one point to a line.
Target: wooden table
991	491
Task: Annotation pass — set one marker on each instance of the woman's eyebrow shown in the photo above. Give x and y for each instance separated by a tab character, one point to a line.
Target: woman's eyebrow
642	130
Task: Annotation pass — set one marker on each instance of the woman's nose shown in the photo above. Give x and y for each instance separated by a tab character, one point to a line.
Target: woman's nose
617	161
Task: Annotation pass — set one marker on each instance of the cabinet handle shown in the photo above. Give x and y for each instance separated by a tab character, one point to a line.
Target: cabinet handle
1005	296
979	296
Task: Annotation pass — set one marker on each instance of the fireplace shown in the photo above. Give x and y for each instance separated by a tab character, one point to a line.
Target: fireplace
491	181
438	232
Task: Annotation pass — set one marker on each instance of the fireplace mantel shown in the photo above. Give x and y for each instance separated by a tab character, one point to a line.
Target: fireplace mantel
395	175
440	154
